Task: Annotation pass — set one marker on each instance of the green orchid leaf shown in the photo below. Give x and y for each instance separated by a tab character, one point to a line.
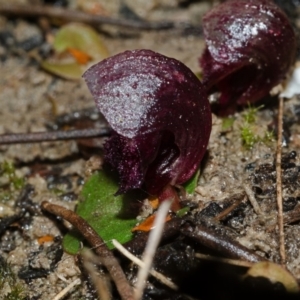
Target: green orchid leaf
111	216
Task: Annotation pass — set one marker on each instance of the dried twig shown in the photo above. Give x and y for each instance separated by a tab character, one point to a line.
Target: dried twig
152	244
162	278
99	246
69	15
279	183
229	209
66	290
229	261
100	282
220	243
47	136
290	216
252	200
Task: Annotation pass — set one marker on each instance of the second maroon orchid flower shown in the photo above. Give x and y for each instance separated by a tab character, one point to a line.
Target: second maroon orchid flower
250	47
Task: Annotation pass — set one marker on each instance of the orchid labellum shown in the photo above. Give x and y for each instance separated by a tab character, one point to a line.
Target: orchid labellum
160	117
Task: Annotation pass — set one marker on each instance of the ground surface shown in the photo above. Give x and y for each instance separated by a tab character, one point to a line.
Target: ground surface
31	98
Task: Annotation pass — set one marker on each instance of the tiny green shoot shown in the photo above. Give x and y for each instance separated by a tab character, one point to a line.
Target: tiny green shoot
9	283
191	184
8	170
182	212
250	115
248	135
227	123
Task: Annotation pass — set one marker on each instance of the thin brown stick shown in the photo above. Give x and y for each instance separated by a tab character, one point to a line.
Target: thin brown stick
100	282
69	15
105	255
229	209
159	276
234	262
171	231
47	136
279	183
292	216
151	247
252	199
220	243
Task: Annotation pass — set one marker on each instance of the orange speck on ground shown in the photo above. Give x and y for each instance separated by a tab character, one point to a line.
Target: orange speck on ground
45	239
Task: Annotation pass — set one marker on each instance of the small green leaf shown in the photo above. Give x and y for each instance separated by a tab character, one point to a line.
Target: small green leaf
109	215
64	70
71	242
76	37
81	37
191	184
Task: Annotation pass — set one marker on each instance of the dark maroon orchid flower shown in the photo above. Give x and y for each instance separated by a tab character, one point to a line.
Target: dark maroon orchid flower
250	47
159	114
